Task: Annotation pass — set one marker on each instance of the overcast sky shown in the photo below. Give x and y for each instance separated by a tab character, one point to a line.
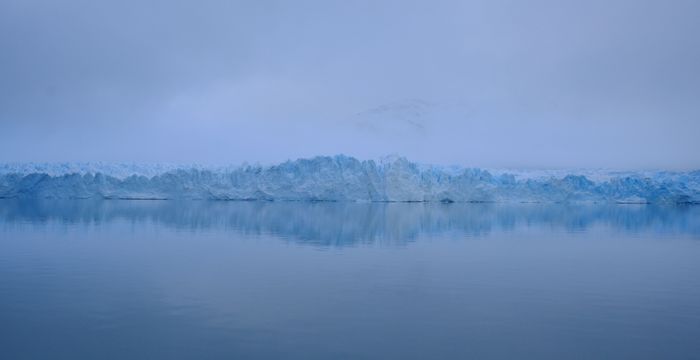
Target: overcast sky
613	83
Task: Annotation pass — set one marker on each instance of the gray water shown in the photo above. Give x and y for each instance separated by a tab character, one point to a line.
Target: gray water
257	280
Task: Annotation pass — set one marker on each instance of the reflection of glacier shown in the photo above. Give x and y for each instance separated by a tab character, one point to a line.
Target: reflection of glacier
327	223
344	178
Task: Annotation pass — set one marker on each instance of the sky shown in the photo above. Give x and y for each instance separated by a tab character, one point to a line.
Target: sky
500	83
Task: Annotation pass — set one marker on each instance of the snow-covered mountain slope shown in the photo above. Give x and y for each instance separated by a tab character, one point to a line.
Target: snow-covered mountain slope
343	178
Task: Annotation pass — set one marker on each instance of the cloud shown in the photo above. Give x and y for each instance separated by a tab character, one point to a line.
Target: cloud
528	84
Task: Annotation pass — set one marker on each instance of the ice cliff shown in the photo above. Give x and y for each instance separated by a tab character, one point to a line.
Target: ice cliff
343	178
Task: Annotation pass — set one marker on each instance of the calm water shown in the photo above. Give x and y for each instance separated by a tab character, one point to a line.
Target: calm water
252	280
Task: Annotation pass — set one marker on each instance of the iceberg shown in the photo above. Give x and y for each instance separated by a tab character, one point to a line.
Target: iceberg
344	178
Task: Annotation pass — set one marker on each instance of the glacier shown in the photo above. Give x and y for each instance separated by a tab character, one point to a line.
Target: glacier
344	178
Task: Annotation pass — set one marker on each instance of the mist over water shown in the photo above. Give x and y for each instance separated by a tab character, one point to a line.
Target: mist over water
528	123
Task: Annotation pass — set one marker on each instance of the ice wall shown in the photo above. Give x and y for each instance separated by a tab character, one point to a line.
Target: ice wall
343	178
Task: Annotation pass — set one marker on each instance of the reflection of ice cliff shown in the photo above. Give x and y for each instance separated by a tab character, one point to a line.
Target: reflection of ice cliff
344	178
351	223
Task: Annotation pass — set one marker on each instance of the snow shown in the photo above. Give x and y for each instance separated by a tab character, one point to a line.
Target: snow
343	178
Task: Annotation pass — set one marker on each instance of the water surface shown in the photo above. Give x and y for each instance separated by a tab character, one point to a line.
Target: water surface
266	280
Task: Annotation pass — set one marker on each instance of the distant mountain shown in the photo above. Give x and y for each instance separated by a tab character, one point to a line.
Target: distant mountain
408	115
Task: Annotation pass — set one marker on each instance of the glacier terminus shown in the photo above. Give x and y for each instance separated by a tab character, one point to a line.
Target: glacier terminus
344	178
